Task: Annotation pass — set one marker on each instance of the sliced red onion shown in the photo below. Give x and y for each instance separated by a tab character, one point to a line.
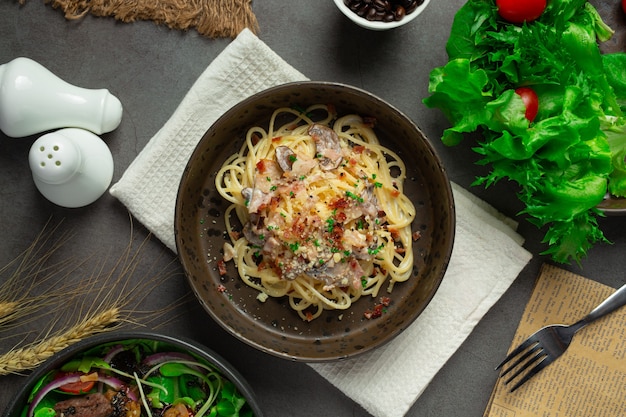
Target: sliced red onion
56	383
118	385
165	357
71	378
161	357
109	356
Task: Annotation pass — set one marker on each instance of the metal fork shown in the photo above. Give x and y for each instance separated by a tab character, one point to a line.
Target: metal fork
548	343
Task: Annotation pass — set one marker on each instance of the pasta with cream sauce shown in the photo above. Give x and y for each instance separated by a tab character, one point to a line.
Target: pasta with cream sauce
322	217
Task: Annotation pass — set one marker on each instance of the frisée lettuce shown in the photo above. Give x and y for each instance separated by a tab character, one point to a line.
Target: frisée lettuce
573	152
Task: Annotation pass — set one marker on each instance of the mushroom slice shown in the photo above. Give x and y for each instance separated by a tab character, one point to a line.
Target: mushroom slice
285	157
255	199
342	274
328	147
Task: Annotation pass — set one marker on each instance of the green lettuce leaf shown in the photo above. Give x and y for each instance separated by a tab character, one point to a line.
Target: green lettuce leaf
573	152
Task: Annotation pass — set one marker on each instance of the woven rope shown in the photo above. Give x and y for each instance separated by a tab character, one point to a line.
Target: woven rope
211	18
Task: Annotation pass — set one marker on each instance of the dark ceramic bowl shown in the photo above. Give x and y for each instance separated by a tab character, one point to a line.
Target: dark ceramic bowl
272	326
613	206
19	402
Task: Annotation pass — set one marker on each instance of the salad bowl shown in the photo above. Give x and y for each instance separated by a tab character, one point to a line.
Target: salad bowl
174	364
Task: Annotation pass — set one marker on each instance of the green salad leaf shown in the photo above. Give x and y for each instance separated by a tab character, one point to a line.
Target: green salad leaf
146	376
572	153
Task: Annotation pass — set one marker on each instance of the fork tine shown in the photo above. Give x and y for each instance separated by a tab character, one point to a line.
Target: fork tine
539	355
525	345
545	361
533	349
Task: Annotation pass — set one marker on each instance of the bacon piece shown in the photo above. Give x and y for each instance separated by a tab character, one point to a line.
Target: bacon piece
221	267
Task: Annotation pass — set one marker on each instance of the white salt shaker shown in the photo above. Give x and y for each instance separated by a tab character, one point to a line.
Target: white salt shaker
71	167
34	100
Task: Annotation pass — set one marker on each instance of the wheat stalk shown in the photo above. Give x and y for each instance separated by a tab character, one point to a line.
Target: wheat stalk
102	301
28	357
29	282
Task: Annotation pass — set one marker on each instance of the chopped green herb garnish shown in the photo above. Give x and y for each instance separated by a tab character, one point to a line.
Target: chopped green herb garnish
354	196
331	224
375	250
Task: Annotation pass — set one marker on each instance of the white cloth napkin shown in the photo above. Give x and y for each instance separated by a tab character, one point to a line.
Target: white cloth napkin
486	259
149	186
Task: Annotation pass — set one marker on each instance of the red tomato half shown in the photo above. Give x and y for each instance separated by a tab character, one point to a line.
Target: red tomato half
77	387
519	11
529	97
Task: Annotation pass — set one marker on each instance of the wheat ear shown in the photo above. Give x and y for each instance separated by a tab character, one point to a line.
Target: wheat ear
8	309
31	356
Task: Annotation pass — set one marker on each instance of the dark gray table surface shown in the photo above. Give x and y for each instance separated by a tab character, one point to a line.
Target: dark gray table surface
150	68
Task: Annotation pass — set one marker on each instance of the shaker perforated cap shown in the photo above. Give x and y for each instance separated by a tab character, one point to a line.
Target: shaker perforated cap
55	159
71	167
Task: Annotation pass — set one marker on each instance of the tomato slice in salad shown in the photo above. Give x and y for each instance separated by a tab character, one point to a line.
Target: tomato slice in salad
79	387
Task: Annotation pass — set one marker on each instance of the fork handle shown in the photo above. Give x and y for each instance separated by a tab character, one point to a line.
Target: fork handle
612	303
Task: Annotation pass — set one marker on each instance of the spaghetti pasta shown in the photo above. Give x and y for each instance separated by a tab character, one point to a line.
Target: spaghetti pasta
323	217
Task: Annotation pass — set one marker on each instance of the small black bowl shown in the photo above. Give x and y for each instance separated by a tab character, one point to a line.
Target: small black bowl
16	407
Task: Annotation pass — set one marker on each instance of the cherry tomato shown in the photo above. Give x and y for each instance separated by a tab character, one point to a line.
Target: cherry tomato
624	5
529	97
519	11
